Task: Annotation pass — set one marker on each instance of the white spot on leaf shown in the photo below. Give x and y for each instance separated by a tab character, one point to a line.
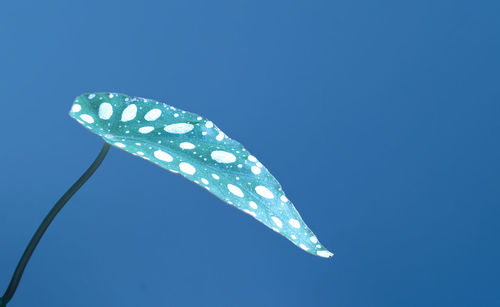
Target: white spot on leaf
186	145
146	129
264	192
152	115
76	108
235	190
129	113
223	156
105	111
179	128
253	205
250	212
277	221
187	168
220	136
294	223
87	118
161	155
255	170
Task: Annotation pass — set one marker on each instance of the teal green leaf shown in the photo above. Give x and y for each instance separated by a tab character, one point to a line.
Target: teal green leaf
193	146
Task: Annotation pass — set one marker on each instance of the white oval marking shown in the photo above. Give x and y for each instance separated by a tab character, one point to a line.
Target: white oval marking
235	190
121	145
204	180
129	113
264	192
255	170
294	223
313	239
220	136
209	124
161	155
105	111
252	158
187	168
152	115
179	128
222	156
76	108
186	145
283	198
250	212
277	221
146	129
253	205
215	176
87	118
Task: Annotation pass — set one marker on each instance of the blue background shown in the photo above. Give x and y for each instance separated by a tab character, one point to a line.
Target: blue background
379	118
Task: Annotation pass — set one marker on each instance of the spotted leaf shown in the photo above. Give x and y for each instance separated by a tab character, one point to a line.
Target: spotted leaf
188	144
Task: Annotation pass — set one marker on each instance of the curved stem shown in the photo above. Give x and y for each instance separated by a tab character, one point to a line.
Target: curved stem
18	273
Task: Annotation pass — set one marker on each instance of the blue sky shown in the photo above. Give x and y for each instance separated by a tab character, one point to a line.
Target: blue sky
379	119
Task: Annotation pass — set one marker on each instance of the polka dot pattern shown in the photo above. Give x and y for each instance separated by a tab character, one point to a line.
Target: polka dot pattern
194	147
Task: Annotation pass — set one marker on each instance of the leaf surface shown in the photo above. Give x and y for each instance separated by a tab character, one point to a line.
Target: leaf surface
193	146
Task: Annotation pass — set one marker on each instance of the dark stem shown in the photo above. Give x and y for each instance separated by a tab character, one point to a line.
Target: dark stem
16	277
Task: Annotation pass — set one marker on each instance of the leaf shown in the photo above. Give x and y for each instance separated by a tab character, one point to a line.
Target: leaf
188	144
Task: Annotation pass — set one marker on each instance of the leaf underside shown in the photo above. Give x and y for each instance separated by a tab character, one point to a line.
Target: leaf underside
190	145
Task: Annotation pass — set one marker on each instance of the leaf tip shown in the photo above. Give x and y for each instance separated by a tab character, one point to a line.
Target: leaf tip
324	253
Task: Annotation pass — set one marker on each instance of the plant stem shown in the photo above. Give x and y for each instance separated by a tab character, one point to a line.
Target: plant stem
18	273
